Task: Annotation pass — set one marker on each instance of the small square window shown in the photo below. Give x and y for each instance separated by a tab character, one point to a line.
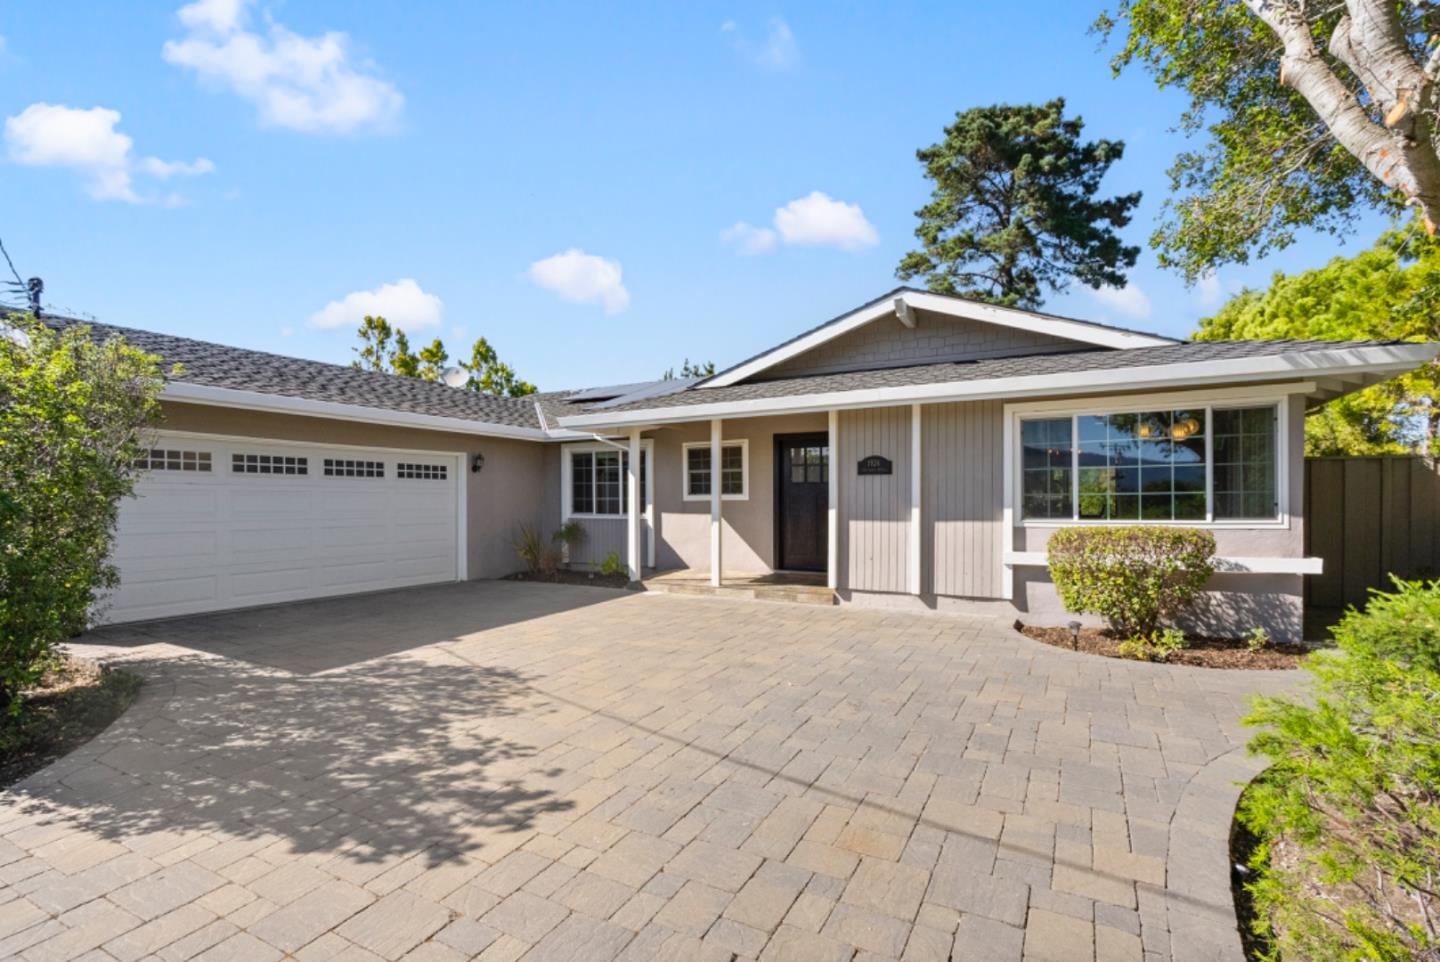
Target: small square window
271	464
699	476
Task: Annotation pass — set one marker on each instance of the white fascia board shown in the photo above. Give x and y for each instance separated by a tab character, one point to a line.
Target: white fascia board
1223	565
282	404
940	304
1385	360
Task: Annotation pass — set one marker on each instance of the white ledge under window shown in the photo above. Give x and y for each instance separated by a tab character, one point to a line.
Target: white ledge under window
1223	565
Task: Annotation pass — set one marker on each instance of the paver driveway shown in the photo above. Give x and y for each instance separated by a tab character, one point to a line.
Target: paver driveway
506	771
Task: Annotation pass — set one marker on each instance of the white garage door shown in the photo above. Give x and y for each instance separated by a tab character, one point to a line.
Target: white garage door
229	523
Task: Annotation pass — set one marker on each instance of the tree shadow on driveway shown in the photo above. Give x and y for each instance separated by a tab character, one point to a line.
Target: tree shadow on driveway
376	762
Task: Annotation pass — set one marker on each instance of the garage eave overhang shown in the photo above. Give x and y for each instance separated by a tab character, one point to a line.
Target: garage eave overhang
306	407
1361	366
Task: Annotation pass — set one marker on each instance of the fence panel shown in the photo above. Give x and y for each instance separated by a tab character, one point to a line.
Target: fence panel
1369	517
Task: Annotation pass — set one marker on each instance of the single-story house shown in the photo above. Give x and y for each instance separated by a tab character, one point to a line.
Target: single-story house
917	451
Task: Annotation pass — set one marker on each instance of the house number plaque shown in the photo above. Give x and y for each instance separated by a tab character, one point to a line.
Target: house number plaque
875	464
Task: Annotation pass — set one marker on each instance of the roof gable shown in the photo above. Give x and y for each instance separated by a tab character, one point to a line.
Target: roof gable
1031	333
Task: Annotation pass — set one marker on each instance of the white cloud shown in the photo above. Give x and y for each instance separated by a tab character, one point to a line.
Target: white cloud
1128	301
749	239
309	84
778	51
815	220
165	169
1209	291
86	140
583	278
820	220
403	303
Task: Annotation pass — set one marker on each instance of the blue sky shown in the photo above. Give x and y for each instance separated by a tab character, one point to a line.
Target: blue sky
565	179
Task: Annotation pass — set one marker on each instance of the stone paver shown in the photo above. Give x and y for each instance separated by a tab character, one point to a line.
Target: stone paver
506	771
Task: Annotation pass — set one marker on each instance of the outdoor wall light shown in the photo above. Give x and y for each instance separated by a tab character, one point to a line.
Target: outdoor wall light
477	464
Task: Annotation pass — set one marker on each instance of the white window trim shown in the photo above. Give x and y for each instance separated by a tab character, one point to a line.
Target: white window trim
685	449
647	448
1209	400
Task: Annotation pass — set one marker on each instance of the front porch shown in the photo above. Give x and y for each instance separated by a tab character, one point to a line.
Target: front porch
799	587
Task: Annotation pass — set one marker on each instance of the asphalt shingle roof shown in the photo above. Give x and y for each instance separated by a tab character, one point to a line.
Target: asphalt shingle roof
218	365
1192	352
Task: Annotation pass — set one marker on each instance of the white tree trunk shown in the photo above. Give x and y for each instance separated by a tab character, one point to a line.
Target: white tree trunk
1368	40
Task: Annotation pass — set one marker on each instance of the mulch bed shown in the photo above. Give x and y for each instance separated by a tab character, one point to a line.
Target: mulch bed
563	576
1202	652
76	700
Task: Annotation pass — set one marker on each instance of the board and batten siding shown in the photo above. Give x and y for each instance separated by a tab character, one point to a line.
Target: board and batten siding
962	499
875	509
602	536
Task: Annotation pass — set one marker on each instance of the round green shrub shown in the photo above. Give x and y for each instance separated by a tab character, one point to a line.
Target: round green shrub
1134	576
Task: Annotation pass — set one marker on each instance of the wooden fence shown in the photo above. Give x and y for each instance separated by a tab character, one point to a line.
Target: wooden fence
1369	517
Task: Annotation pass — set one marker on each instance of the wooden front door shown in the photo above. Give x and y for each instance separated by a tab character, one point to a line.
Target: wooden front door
802	486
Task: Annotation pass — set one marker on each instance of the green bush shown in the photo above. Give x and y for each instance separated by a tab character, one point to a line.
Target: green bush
1353	797
1161	646
1135	576
612	565
538	556
74	416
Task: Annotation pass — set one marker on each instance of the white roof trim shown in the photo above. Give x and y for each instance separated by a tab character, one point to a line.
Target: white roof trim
283	404
1383	360
940	304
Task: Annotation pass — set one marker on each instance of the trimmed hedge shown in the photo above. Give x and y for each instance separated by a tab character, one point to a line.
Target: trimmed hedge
1134	576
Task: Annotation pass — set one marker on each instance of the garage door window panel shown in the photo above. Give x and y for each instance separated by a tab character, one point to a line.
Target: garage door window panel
173	459
349	468
271	464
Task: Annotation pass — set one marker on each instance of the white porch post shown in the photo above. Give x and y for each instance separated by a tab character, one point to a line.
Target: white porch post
832	517
632	517
715	553
916	533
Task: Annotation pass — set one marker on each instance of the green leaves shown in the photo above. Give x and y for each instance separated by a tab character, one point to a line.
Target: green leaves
1268	166
1390	291
386	348
1134	575
1353	797
74	418
1014	208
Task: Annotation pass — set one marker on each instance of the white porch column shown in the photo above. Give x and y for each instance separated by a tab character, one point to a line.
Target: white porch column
832	516
632	517
715	553
917	535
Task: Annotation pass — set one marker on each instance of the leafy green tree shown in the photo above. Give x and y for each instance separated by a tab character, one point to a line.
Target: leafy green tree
74	418
1014	208
1391	291
1353	797
384	347
701	369
380	346
490	375
431	361
1308	113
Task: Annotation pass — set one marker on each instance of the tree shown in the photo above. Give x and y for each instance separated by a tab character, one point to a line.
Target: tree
1388	291
491	375
688	370
74	417
1313	110
384	347
380	345
1014	208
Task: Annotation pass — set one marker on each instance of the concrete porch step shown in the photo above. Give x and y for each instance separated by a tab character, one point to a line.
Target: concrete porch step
766	588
